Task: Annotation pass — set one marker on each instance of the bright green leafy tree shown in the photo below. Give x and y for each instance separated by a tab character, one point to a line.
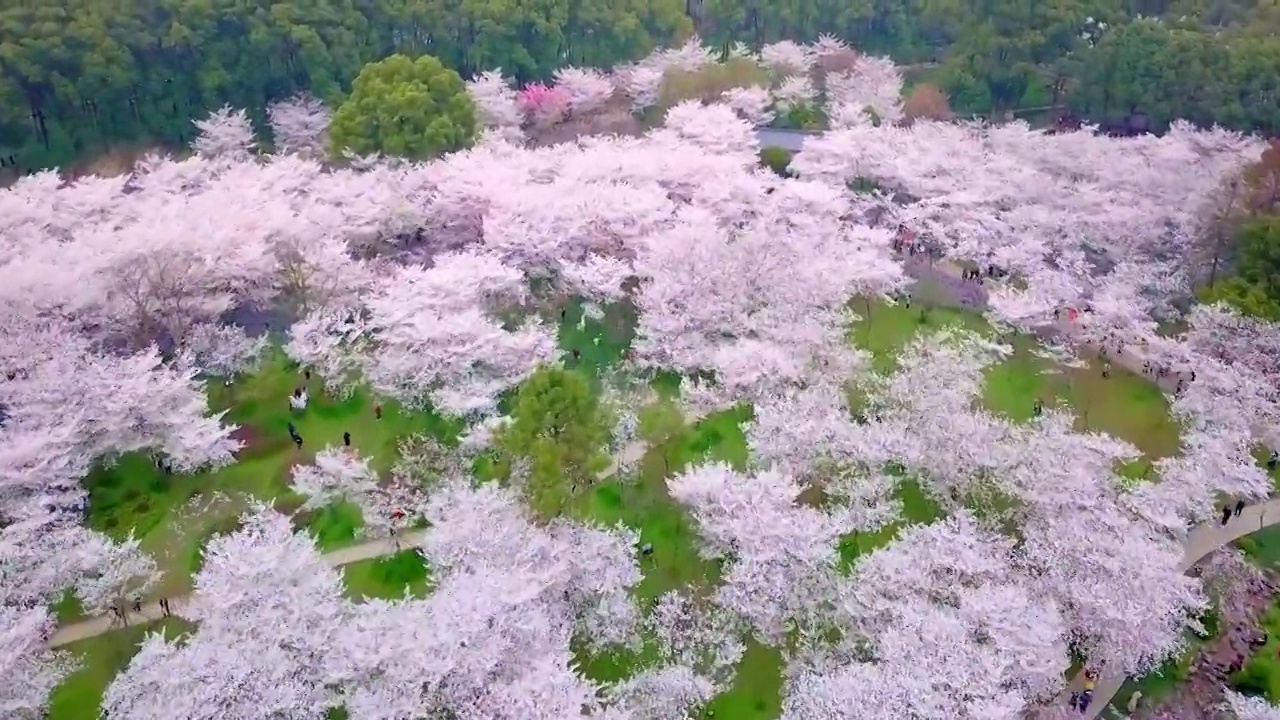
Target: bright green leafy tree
559	427
407	108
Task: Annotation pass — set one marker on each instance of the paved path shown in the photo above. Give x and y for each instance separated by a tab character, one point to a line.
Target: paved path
1202	542
790	140
152	612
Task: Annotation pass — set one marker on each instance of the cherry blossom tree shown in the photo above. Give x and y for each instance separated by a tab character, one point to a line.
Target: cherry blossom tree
642	83
470	655
927	421
593	566
41	554
585	90
1244	707
118	404
223	351
270	612
1119	581
122	573
722	319
874	85
332	341
753	104
787	58
316	269
795	92
667	693
224	135
30	670
438	339
498	106
492	640
544	105
695	633
783	558
300	124
335	475
943	607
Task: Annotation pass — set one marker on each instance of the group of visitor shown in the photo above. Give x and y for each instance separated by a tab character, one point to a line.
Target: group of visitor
1082	699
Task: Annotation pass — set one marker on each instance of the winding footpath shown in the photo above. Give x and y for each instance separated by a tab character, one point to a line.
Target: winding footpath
152	612
1201	543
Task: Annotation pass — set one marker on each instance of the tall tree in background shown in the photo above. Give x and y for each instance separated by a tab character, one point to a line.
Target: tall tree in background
80	78
408	108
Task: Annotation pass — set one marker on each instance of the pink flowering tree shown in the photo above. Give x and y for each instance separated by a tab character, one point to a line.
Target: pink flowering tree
543	105
30	670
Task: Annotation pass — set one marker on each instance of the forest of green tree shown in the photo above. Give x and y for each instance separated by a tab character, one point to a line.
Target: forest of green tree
78	77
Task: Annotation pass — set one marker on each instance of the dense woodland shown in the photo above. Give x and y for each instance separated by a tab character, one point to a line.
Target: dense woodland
81	76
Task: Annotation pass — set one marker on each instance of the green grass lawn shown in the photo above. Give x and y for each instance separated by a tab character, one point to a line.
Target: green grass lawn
1261	674
388	578
174	516
642	502
1125	405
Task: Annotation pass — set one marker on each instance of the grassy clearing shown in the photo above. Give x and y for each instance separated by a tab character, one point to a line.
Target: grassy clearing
174	516
1125	405
388	578
1261	674
600	342
756	693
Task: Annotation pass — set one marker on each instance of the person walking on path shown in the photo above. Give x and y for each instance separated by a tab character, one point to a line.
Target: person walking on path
1226	514
164	607
1239	507
346	439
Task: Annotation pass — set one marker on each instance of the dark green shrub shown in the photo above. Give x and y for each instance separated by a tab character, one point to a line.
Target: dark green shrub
778	160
